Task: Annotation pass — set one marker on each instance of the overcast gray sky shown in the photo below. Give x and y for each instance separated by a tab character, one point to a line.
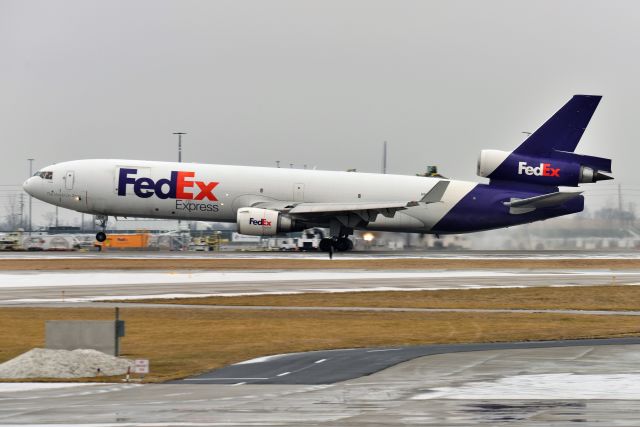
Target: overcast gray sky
312	82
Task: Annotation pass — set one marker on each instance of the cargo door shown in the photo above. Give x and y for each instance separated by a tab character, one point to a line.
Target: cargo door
68	180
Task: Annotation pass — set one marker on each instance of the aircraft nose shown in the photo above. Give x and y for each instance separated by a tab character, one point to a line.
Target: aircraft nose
30	186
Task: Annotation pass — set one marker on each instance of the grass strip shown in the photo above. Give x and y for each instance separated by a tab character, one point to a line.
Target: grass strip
606	297
183	342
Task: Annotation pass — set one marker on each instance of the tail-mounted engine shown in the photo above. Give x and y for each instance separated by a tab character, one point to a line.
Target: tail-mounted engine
264	222
558	168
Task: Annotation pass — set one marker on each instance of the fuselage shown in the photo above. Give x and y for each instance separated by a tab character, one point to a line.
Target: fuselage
203	192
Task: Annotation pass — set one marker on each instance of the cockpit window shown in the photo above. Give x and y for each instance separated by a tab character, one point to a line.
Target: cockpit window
44	174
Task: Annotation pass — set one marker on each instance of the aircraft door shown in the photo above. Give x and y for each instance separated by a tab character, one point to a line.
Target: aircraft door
68	180
298	192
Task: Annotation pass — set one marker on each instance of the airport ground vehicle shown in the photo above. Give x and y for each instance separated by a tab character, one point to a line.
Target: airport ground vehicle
523	187
125	241
11	241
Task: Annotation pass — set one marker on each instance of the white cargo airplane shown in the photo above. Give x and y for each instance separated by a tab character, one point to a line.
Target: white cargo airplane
263	201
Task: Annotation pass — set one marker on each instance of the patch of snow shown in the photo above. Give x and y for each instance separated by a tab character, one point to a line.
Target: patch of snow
16	387
144	424
48	363
563	386
261	359
136	278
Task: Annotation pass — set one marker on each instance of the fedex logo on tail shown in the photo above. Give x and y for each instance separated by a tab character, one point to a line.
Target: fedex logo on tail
263	222
544	169
180	185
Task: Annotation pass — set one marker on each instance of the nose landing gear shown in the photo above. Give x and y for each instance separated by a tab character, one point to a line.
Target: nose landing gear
101	221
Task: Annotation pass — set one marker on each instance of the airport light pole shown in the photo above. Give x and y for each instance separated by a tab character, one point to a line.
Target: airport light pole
180	144
30	199
179	157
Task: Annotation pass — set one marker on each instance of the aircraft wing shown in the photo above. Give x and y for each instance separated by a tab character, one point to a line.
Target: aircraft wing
544	201
365	211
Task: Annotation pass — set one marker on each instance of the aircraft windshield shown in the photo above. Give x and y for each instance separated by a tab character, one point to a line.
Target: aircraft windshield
44	174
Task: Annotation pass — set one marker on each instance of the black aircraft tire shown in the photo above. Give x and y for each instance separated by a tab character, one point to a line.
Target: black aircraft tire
349	245
342	244
101	236
325	245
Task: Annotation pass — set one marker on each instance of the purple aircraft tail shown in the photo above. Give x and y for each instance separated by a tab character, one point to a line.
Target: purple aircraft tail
524	182
547	157
562	132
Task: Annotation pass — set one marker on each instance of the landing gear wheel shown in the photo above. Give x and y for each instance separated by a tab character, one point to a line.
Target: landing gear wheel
325	245
343	244
101	236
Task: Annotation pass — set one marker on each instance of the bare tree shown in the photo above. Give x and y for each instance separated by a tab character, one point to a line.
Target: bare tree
12	216
50	218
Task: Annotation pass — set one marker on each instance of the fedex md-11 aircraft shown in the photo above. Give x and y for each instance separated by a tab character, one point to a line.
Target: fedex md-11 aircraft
523	187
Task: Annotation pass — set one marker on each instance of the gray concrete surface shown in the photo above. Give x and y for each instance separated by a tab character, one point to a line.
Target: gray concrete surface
521	278
626	254
387	397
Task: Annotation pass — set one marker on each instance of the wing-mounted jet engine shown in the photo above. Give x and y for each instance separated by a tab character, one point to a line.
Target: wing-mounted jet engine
265	222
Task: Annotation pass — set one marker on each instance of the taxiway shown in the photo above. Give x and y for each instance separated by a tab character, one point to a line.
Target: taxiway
586	383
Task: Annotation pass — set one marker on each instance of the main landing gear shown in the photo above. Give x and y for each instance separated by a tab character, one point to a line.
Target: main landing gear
340	243
101	220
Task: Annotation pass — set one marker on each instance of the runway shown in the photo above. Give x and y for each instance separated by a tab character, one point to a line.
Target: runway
53	287
590	384
403	254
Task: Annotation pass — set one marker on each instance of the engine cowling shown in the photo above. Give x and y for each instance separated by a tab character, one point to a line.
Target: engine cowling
263	222
558	169
489	161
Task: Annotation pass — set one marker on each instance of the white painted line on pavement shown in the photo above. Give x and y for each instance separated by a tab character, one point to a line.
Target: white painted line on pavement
222	379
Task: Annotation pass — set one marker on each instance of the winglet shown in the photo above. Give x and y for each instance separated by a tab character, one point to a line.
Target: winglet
435	194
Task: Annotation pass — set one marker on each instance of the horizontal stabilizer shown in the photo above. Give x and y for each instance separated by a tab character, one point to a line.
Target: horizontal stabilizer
519	206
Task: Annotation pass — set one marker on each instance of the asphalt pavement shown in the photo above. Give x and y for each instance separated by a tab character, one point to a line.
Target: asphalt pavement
332	366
